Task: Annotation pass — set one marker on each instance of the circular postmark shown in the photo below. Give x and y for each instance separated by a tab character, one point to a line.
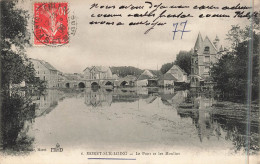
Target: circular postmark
51	24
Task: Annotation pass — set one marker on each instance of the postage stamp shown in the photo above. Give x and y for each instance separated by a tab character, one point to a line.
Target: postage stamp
51	24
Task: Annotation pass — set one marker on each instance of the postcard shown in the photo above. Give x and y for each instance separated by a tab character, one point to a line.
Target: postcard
129	81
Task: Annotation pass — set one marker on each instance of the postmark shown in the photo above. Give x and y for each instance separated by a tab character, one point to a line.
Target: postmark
51	23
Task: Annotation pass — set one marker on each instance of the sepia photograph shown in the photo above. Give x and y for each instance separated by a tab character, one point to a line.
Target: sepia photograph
129	81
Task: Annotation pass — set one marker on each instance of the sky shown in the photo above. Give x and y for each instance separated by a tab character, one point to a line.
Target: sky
129	46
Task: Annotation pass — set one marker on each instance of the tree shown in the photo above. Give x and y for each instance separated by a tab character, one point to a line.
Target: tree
15	109
166	67
183	60
123	71
231	72
235	35
15	66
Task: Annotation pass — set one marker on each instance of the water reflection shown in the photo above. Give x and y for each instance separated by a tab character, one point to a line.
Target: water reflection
220	122
17	114
19	110
98	98
210	118
46	102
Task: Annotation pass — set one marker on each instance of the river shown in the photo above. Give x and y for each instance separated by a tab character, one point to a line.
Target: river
135	118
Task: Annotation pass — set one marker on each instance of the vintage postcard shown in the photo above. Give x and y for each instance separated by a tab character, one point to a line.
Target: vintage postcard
129	81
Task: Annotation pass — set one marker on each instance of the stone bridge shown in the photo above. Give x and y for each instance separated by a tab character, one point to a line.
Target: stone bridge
121	82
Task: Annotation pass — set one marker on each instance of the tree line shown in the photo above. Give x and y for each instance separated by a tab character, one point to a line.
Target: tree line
15	108
15	66
123	71
237	72
183	60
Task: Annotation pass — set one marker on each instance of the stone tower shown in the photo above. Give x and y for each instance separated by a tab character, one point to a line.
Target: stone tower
205	54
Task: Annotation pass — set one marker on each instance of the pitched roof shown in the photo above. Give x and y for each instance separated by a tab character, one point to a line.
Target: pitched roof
45	64
168	76
49	66
99	68
86	69
147	74
181	69
143	77
199	42
208	40
156	73
130	77
178	68
114	76
102	68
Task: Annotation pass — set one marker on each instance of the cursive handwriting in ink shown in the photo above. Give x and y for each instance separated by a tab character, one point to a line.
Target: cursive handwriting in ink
182	31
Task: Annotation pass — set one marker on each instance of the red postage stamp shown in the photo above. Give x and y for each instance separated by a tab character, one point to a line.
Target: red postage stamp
51	23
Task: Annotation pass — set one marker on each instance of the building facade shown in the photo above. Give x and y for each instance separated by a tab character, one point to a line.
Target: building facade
174	74
167	80
205	55
46	72
97	72
178	73
145	77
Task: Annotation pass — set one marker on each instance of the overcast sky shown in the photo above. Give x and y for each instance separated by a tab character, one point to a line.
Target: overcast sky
129	46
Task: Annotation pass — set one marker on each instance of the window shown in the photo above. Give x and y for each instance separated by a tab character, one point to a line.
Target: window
206	49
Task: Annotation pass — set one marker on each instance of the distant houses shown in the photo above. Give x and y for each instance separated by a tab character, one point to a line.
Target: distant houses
175	74
167	80
46	72
178	73
102	76
128	81
97	72
152	79
205	54
147	78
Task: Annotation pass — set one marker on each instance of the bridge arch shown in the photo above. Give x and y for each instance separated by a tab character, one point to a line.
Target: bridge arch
109	83
94	84
81	85
123	83
67	85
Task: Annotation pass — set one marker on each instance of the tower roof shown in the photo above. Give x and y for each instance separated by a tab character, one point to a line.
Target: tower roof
221	48
199	42
216	39
209	43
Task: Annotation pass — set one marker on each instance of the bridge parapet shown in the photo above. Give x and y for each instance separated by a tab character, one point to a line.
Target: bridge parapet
87	83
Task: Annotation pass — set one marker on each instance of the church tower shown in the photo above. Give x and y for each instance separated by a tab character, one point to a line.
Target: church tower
205	54
195	61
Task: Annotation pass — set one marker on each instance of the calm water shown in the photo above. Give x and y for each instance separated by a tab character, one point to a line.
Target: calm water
138	118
